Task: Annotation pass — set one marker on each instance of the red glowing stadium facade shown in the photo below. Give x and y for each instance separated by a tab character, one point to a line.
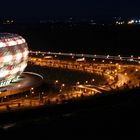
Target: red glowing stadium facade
13	57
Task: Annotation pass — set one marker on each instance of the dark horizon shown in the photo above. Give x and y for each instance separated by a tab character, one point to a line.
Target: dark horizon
53	8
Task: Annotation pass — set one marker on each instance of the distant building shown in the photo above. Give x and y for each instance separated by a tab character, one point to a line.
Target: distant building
120	22
134	22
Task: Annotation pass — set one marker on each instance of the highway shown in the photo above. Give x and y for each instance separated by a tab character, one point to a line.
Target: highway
131	58
118	75
110	70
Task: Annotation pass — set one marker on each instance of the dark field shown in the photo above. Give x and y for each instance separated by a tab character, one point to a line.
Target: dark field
79	38
69	77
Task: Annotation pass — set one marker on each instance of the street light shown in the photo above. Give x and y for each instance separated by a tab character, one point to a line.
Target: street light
86	82
31	90
19	85
63	85
77	83
92	81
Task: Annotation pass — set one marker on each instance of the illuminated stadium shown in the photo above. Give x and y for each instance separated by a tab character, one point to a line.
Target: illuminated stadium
13	57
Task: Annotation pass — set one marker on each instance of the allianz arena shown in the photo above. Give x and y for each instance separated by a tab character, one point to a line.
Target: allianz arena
13	57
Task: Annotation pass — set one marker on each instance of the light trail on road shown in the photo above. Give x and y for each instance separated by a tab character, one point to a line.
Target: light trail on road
131	58
117	76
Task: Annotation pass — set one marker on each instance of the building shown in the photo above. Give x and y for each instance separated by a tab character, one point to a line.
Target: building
13	57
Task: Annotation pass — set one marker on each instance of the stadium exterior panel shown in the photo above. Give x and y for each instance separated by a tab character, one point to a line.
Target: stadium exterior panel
13	57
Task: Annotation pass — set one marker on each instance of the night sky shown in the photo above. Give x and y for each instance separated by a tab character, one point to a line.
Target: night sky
44	8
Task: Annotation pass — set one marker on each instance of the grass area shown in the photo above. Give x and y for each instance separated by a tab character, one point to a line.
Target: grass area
66	76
